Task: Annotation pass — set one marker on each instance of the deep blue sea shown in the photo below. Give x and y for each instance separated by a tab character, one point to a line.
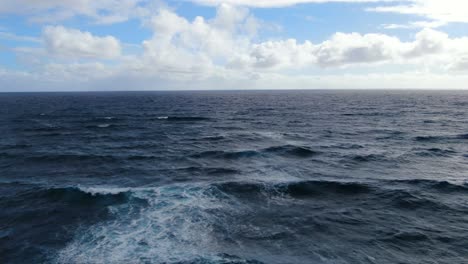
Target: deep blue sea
234	177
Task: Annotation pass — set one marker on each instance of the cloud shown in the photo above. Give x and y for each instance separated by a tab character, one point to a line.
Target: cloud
181	55
275	55
350	49
428	42
343	49
416	24
15	37
225	50
278	3
201	43
119	80
227	41
460	64
102	11
72	43
438	11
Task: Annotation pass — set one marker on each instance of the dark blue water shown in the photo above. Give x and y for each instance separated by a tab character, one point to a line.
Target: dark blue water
234	177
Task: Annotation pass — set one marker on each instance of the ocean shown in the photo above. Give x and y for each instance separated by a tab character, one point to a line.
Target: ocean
234	177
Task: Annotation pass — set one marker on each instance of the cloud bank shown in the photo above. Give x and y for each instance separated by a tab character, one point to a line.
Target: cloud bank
225	52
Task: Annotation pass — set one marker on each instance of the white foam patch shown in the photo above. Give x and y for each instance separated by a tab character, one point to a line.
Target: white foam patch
175	226
104	190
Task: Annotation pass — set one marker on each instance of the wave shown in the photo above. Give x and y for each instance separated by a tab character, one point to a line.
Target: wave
210	170
43	129
436	152
107	118
173	228
368	158
429	121
440	138
369	114
220	259
345	146
36	125
291	150
430	138
64	158
409	201
284	150
213	138
83	196
404	236
332	191
183	118
443	186
100	126
218	154
302	189
296	189
188	223
104	125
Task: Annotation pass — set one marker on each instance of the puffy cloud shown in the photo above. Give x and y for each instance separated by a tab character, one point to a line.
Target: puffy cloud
275	55
73	43
428	42
347	49
181	48
224	41
204	53
201	43
354	48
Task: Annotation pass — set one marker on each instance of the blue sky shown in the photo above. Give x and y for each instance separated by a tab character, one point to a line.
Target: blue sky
232	44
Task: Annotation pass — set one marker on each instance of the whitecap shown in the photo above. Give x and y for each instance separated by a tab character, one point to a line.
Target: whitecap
175	225
103	190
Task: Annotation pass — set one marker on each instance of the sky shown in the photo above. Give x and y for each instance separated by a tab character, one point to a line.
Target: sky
107	45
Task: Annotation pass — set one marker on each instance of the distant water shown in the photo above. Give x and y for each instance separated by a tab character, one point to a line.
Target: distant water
234	177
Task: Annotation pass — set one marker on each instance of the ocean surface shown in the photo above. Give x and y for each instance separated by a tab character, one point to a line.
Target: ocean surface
234	177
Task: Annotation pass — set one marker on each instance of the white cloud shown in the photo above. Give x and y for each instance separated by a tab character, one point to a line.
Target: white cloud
278	3
180	56
15	37
439	11
72	43
354	48
460	64
428	42
198	44
416	24
225	42
56	78
429	48
206	53
102	11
